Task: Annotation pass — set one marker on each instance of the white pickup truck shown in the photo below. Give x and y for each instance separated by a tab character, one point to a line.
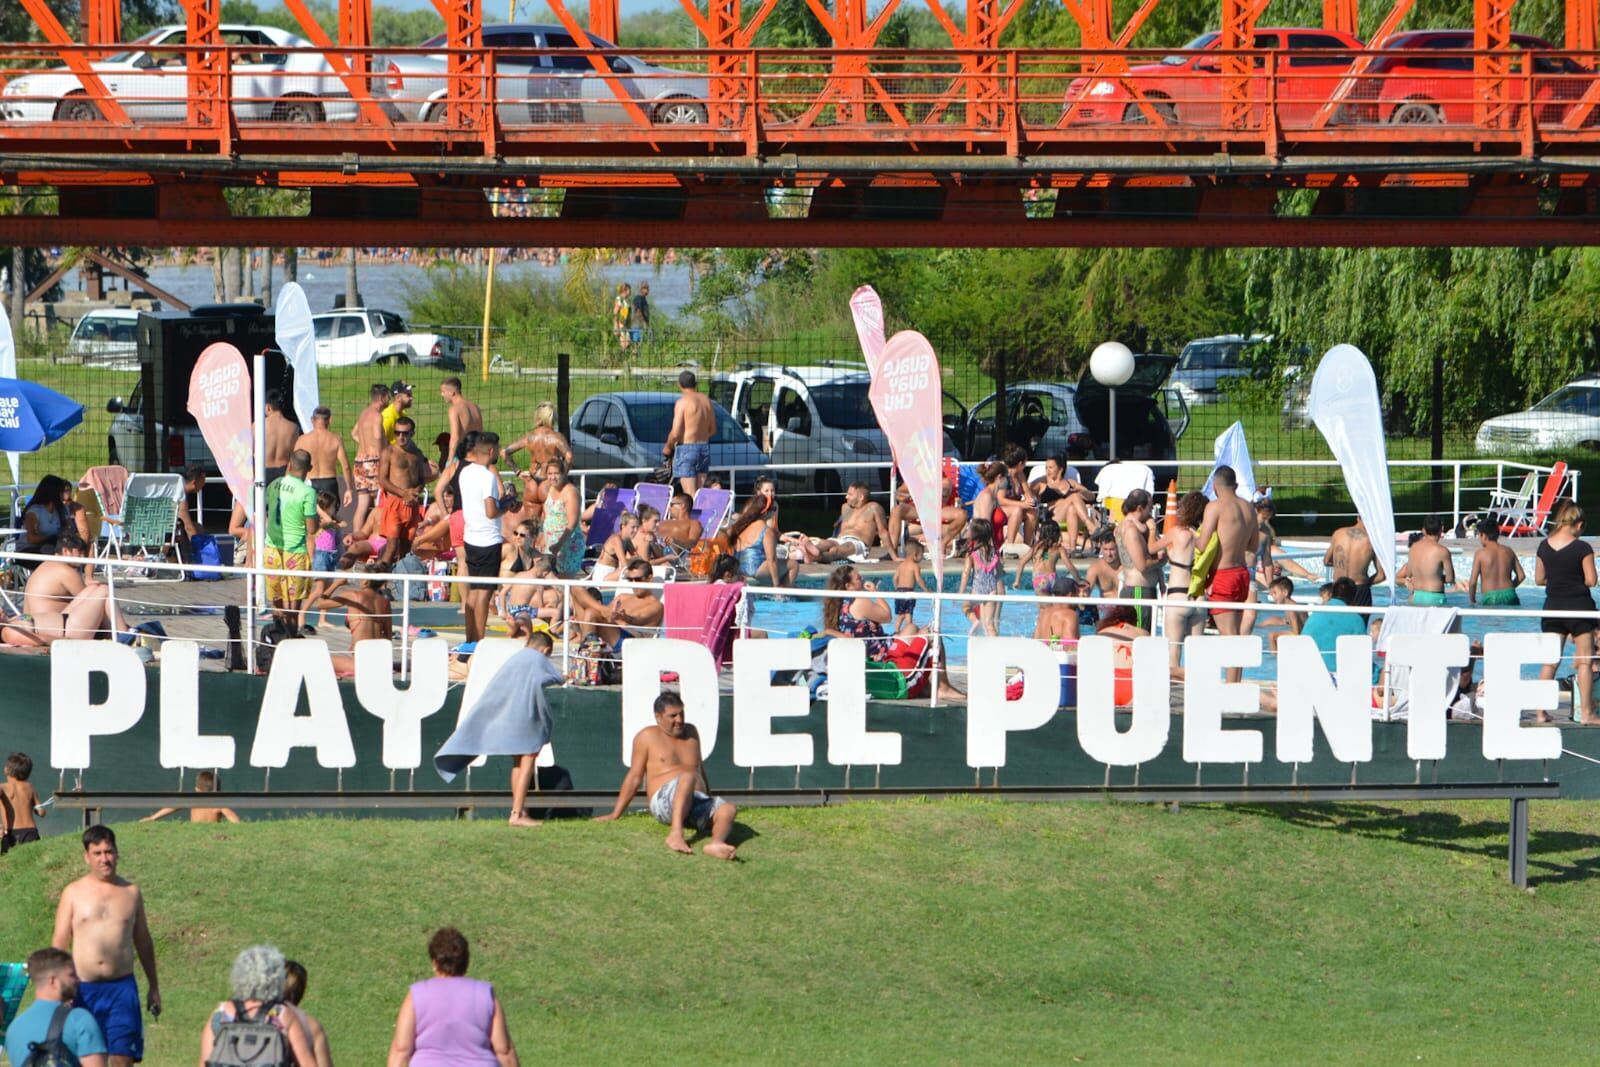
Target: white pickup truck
352	337
179	446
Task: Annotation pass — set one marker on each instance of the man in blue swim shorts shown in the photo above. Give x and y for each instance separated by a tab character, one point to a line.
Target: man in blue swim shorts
694	422
101	921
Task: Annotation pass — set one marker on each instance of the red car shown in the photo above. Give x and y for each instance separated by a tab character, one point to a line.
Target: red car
1187	88
1430	90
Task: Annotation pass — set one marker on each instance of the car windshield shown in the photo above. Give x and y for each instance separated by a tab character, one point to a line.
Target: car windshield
1202	41
845	407
1210	355
1572	400
385	323
123	57
652	421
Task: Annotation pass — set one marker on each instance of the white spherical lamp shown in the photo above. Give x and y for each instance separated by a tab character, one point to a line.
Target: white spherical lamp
1111	364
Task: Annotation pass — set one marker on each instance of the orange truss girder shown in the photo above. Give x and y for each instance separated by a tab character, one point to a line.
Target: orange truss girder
1495	91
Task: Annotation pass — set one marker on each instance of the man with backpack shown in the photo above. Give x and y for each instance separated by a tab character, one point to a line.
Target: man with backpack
53	1032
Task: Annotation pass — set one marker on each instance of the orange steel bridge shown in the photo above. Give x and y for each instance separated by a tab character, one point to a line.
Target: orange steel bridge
853	145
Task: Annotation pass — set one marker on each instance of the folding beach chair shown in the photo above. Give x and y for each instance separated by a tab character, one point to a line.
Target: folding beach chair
1532	523
1505	503
1116	480
13	984
712	508
657	496
603	523
101	492
148	524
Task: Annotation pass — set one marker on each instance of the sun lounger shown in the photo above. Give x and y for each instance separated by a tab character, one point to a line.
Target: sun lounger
656	495
711	509
603	523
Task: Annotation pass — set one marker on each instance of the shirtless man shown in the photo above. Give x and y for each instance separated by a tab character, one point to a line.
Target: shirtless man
636	611
370	442
694	422
101	921
544	442
464	415
368	615
59	604
329	460
1059	622
666	759
1141	562
1233	520
402	472
281	435
1349	556
204	782
680	529
1428	570
862	525
1496	568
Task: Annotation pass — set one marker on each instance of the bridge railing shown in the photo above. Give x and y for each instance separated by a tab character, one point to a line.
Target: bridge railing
402	98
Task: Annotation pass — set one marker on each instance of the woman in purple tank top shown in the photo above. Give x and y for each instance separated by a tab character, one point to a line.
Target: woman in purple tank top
451	1020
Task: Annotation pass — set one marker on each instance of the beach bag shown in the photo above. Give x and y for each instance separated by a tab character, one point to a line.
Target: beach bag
702	557
53	1050
250	1041
204	550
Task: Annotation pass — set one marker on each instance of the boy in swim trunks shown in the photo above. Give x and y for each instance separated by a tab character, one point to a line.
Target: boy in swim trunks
1428	571
908	577
292	525
1495	567
667	760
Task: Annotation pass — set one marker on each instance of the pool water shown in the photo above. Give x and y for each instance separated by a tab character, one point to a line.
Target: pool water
791	615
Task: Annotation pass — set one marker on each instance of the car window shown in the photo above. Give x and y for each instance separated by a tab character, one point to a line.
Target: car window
1572	400
589	418
323	326
349	326
845	406
1213	356
1202	41
652	420
566	62
385	323
611	422
721	393
158	59
1318	41
122	330
123	57
792	408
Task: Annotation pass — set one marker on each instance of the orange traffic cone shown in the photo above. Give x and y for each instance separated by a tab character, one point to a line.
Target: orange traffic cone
1171	517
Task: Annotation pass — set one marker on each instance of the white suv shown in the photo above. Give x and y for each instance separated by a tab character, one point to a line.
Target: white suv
1567	418
817	416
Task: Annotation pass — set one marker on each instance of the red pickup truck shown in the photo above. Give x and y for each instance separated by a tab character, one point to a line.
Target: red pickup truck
1186	88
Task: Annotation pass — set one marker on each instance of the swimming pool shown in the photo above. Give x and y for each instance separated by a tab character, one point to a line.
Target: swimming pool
789	616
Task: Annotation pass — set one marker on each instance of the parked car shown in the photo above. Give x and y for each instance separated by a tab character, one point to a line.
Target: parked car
1206	362
535	88
269	85
180	445
357	336
106	338
619	430
818	416
1186	87
1567	418
1405	90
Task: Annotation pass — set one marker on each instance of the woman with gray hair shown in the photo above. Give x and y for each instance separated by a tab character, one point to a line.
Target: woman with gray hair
257	981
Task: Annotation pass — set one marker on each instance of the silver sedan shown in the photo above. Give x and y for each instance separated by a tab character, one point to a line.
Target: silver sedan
553	82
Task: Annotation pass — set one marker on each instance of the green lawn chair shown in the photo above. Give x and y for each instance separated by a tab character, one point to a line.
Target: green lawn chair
13	984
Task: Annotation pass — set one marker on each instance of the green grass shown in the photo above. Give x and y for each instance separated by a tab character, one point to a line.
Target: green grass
961	931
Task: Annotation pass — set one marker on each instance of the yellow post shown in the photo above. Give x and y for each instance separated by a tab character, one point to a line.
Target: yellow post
488	300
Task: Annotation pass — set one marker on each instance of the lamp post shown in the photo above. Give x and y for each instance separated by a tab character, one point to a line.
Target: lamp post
1111	364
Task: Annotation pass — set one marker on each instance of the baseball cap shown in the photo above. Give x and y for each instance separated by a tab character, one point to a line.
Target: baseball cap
402	387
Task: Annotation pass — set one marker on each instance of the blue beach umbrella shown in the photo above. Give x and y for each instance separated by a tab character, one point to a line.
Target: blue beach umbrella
32	416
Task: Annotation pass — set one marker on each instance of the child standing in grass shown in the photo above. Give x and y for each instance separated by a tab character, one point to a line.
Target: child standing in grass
987	575
18	804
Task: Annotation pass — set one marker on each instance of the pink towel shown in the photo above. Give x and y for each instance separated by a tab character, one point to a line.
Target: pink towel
703	614
109	484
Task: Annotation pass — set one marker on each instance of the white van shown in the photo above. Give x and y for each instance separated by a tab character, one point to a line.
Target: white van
107	338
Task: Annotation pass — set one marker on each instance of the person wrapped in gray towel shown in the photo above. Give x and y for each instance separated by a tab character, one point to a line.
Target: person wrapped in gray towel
512	718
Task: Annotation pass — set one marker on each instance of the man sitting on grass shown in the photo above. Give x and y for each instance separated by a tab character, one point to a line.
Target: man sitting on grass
667	757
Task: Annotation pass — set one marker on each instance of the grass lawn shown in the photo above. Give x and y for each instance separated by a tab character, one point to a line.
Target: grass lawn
961	931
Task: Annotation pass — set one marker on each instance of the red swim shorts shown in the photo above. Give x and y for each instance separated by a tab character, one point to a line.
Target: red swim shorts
1230	585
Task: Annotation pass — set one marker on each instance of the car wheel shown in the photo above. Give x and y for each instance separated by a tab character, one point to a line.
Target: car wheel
77	108
680	113
301	112
436	113
1133	116
1416	113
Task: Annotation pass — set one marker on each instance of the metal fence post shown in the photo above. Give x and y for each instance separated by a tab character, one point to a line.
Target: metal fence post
1518	844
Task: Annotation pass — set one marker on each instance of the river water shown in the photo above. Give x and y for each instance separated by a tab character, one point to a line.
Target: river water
387	285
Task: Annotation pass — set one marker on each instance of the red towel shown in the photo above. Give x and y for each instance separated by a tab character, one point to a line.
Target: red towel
694	611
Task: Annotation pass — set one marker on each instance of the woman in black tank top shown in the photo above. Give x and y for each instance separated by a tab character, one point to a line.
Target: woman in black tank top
1565	567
